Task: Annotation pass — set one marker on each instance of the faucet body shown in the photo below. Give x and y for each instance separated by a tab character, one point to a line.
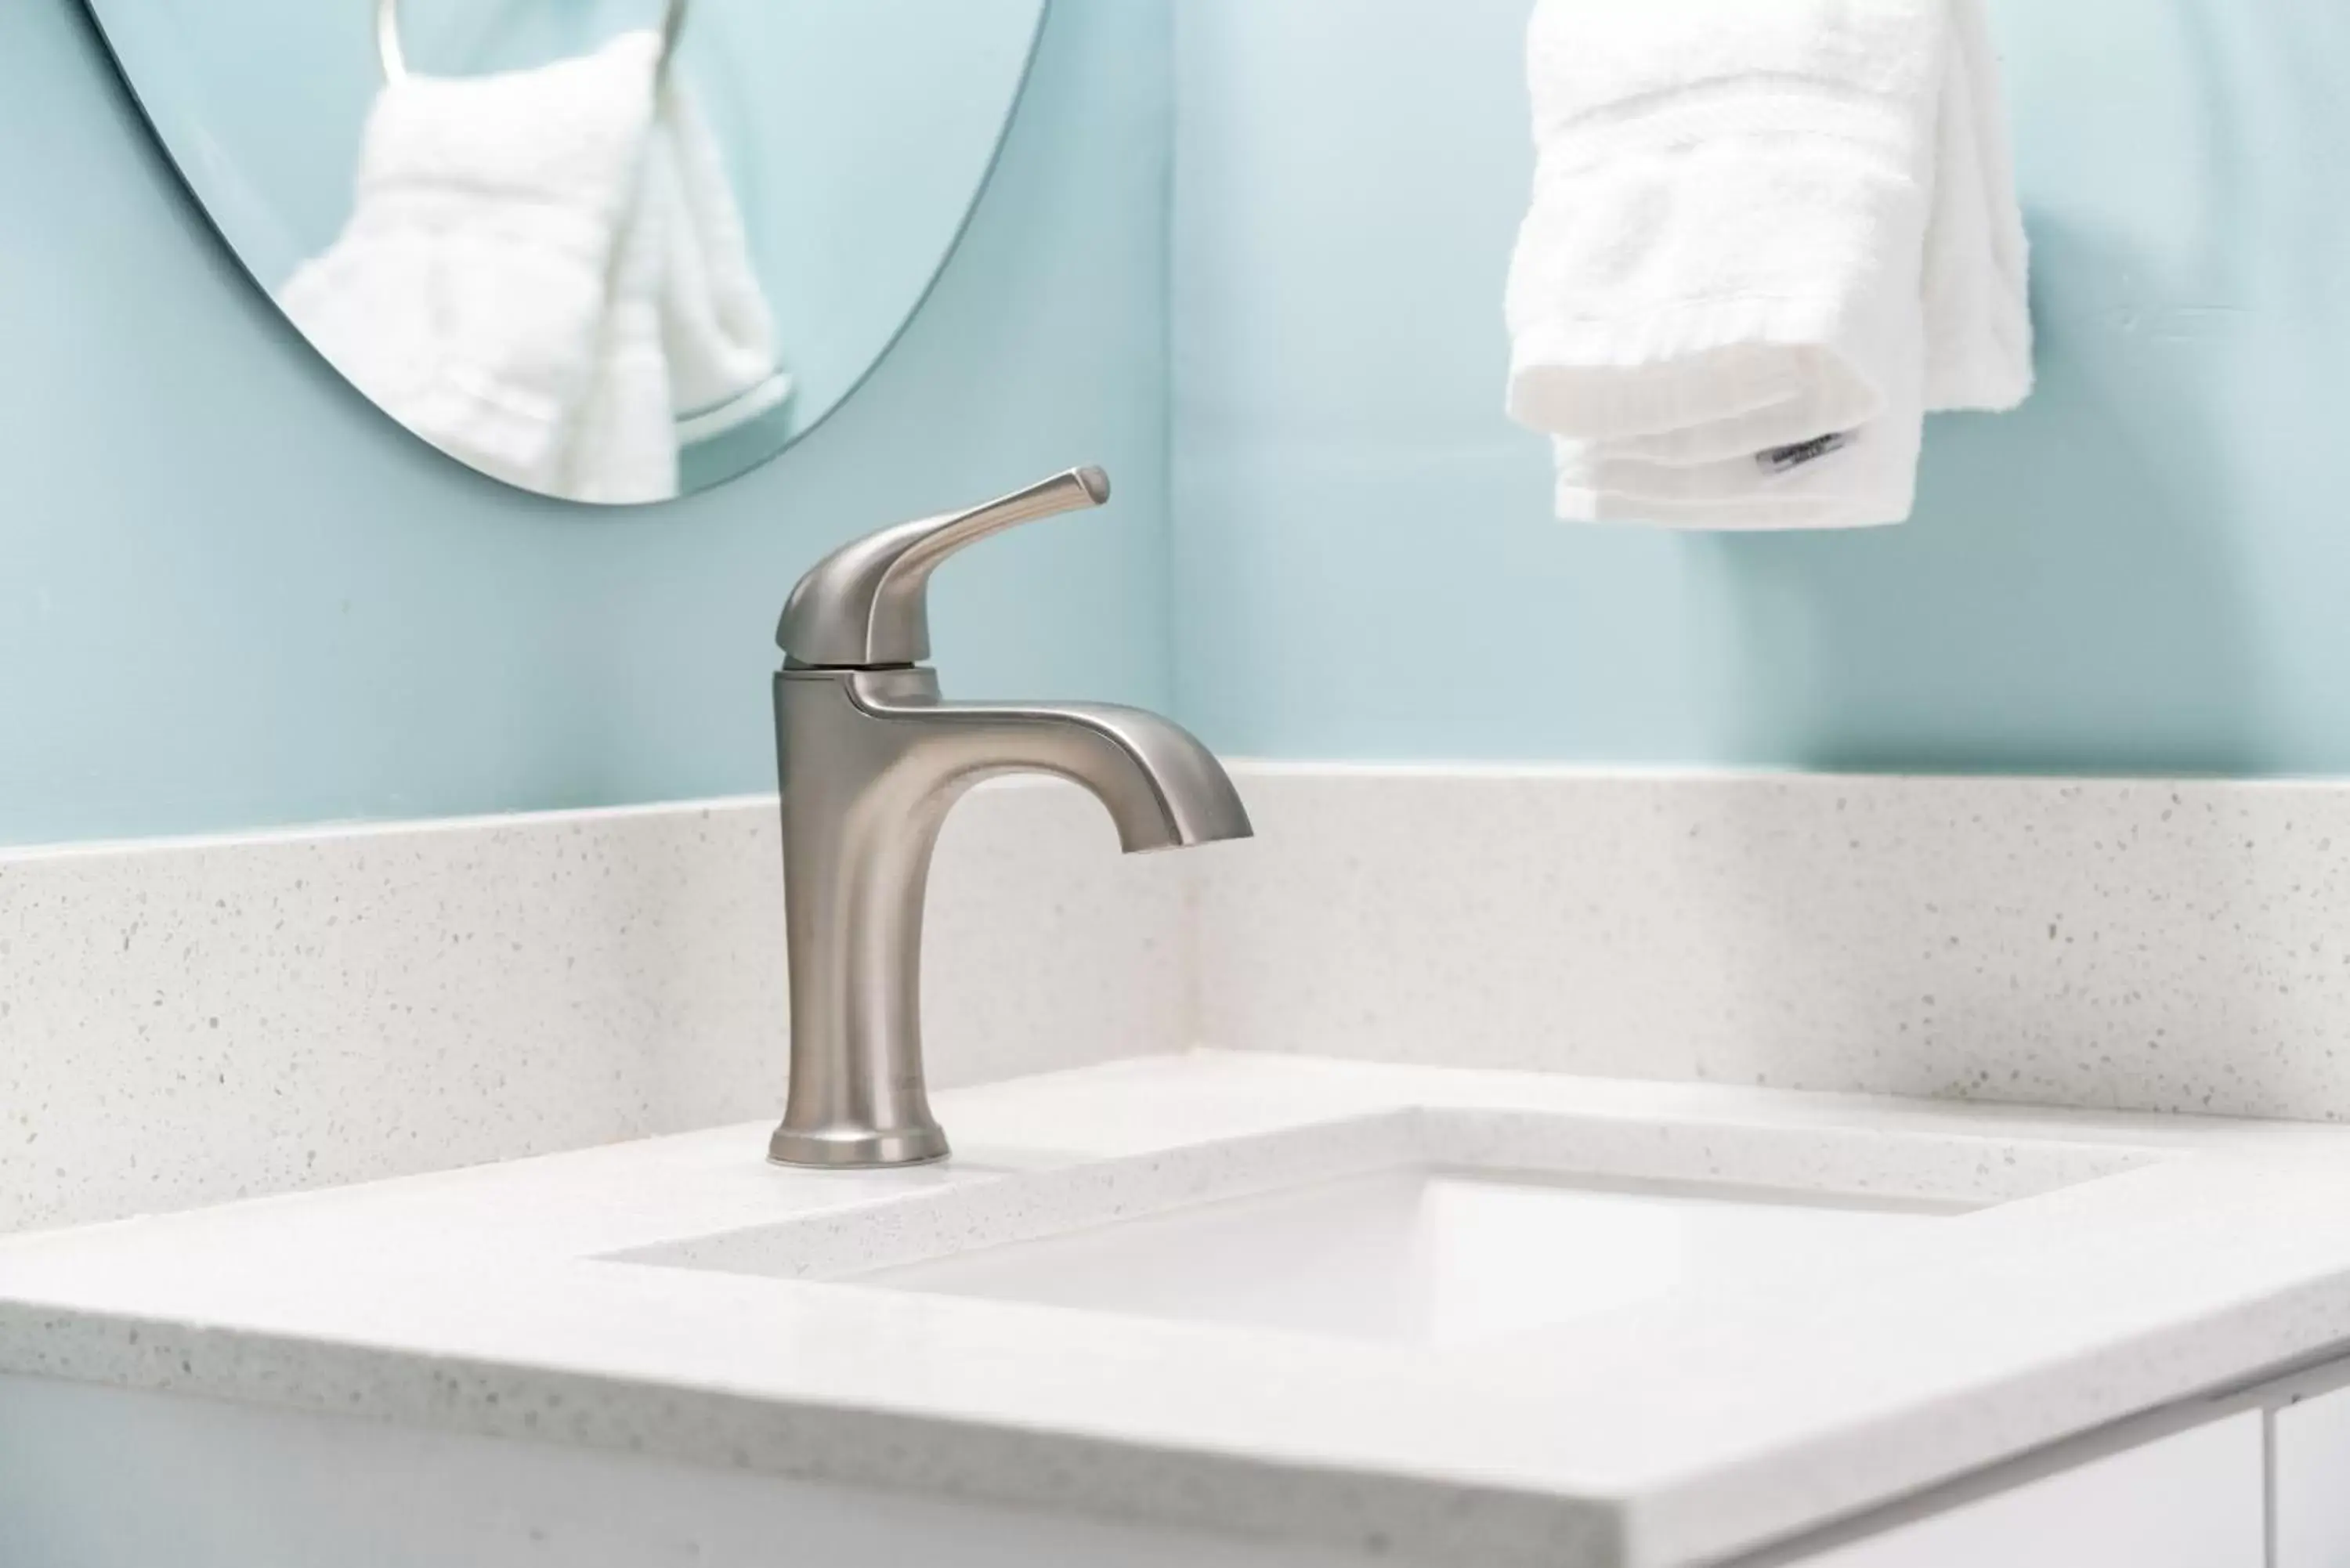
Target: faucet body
870	760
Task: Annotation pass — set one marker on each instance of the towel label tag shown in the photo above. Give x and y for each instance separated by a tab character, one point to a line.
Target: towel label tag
1787	459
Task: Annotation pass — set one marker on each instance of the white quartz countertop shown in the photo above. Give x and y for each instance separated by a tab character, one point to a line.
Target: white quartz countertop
586	1298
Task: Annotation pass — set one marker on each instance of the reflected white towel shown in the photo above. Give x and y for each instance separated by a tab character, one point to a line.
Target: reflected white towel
544	276
1764	239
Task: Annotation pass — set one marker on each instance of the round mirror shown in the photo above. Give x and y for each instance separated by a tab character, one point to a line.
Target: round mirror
609	250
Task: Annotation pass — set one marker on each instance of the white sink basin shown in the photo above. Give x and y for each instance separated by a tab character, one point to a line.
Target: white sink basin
1430	1226
1413	1255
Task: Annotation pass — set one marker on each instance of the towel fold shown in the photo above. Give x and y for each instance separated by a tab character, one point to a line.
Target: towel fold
544	276
1764	240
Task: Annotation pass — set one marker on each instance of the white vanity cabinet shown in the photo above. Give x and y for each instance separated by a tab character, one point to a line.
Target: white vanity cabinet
2311	1470
2195	1499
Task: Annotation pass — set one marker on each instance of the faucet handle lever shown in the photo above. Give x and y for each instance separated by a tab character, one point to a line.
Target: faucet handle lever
865	605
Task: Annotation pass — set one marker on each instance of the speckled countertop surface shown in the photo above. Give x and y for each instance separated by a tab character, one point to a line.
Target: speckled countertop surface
679	1297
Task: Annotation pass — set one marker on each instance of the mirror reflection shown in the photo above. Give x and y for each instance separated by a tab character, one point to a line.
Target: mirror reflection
604	250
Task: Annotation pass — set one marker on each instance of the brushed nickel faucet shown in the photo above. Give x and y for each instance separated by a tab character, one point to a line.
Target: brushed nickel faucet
870	762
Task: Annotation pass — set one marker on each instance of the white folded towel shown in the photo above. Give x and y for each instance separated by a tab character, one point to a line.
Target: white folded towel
544	276
1766	237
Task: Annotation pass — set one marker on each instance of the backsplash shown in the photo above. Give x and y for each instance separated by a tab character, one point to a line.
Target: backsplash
192	1022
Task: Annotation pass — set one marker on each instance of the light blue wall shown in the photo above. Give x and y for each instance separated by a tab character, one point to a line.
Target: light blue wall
231	595
2146	569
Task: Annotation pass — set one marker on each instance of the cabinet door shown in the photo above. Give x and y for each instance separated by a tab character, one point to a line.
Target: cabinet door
2312	1482
2193	1500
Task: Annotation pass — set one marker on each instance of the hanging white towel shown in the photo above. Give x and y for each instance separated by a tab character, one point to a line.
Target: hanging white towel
544	276
1764	240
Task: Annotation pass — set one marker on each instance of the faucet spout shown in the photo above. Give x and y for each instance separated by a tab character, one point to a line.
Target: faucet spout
1161	787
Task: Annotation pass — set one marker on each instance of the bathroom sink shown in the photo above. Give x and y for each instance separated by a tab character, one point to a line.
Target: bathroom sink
1426	1225
1227	1310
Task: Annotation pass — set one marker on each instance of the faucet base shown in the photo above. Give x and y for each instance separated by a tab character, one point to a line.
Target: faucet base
848	1149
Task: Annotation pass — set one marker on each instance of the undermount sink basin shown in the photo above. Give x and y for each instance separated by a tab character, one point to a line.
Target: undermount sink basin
1430	1226
1414	1255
